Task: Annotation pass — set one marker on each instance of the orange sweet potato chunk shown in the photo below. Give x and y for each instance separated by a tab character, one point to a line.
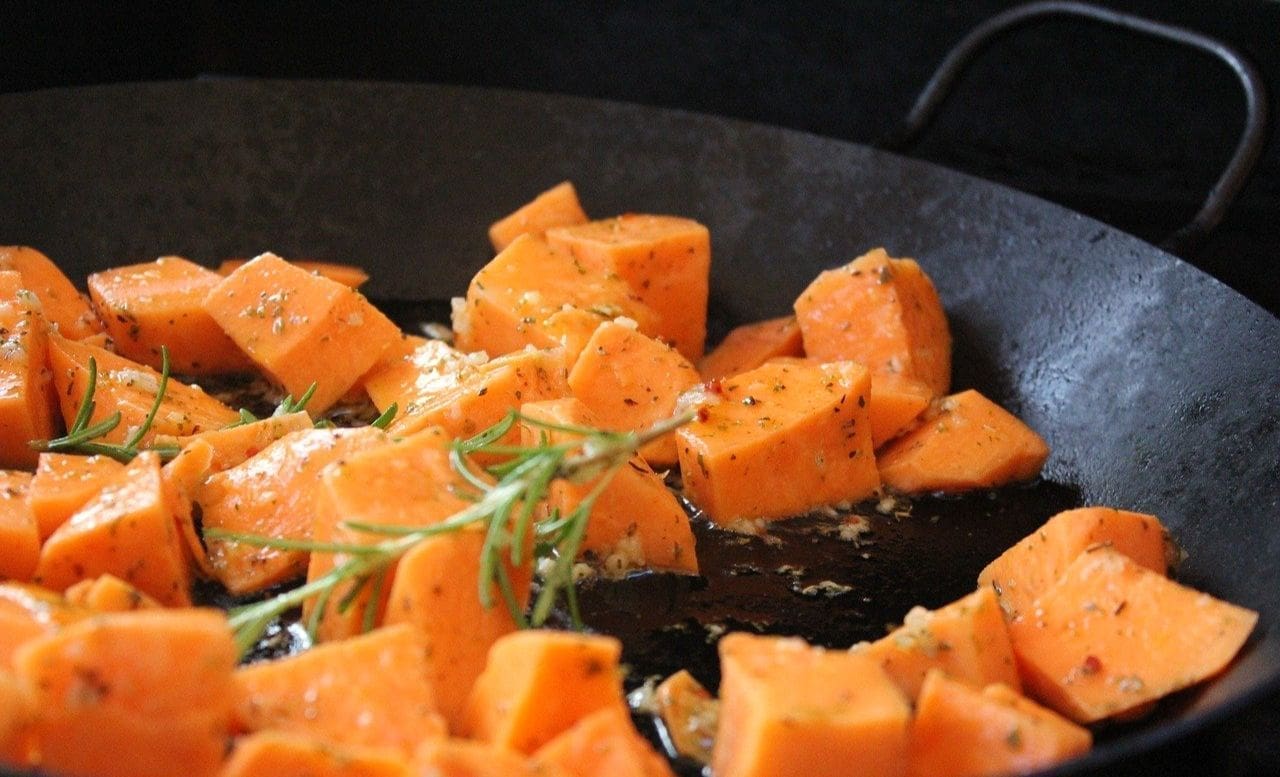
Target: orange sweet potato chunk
971	442
301	328
779	440
538	683
63	306
629	382
369	691
1031	567
130	388
468	758
751	345
63	483
960	731
666	260
556	207
881	312
126	530
281	754
689	714
967	639
28	408
1111	635
896	402
19	538
346	274
29	611
234	445
533	294
15	716
413	368
604	744
146	306
790	709
108	593
182	478
636	521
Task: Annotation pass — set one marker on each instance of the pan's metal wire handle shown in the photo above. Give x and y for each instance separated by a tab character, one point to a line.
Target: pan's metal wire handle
1234	175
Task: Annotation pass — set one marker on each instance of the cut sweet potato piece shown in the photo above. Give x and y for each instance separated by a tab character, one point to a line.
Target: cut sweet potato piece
28	408
971	442
346	274
751	345
301	328
272	494
29	611
629	382
15	717
282	754
666	260
414	368
790	709
234	445
126	530
538	683
779	440
635	521
130	388
960	731
62	305
1034	564
1111	635
896	402
368	691
604	744
690	715
556	207
146	306
468	758
881	312
533	294
967	639
108	593
19	538
63	483
182	478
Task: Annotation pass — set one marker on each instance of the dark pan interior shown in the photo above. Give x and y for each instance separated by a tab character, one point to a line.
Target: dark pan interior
1158	388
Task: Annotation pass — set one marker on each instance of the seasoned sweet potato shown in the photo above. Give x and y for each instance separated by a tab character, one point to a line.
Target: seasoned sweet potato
19	537
281	754
414	368
895	405
63	306
690	715
28	408
29	611
468	758
346	274
231	446
15	718
604	744
63	483
751	345
108	593
556	207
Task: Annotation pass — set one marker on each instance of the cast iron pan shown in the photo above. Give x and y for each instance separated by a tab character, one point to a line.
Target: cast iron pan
1157	387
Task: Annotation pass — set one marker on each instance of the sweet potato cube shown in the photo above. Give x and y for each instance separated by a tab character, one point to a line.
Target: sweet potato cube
556	207
604	744
370	690
896	402
28	409
790	709
538	683
971	442
413	368
881	312
130	388
63	483
689	713
145	306
234	445
1111	635
346	274
751	345
108	593
272	494
635	521
62	305
967	639
292	755
126	530
778	440
301	328
533	294
629	382
1034	564
666	260
468	758
19	538
15	716
29	611
960	731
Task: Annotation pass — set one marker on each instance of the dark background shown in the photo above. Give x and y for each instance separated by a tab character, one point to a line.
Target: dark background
1128	130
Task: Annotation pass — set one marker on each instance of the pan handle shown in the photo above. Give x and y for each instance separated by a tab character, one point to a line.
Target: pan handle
1234	175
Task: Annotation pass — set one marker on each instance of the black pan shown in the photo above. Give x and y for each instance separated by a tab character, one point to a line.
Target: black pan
1157	387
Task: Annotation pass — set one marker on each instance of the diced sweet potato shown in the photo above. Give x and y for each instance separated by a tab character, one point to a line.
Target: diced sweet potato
15	718
960	731
281	754
538	683
63	483
533	294
369	691
146	306
629	382
690	715
346	274
108	593
604	744
1034	564
971	442
751	345
61	304
556	207
790	709
19	538
779	440
967	639
1111	635
413	368
468	758
636	521
130	388
896	402
272	494
182	478
301	328
29	611
28	408
666	260
881	312
234	445
126	530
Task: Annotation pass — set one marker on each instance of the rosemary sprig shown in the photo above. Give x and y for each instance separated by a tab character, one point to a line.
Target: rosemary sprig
503	510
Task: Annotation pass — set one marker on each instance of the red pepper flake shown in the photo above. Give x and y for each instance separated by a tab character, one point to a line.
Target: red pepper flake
704	414
715	386
1091	666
